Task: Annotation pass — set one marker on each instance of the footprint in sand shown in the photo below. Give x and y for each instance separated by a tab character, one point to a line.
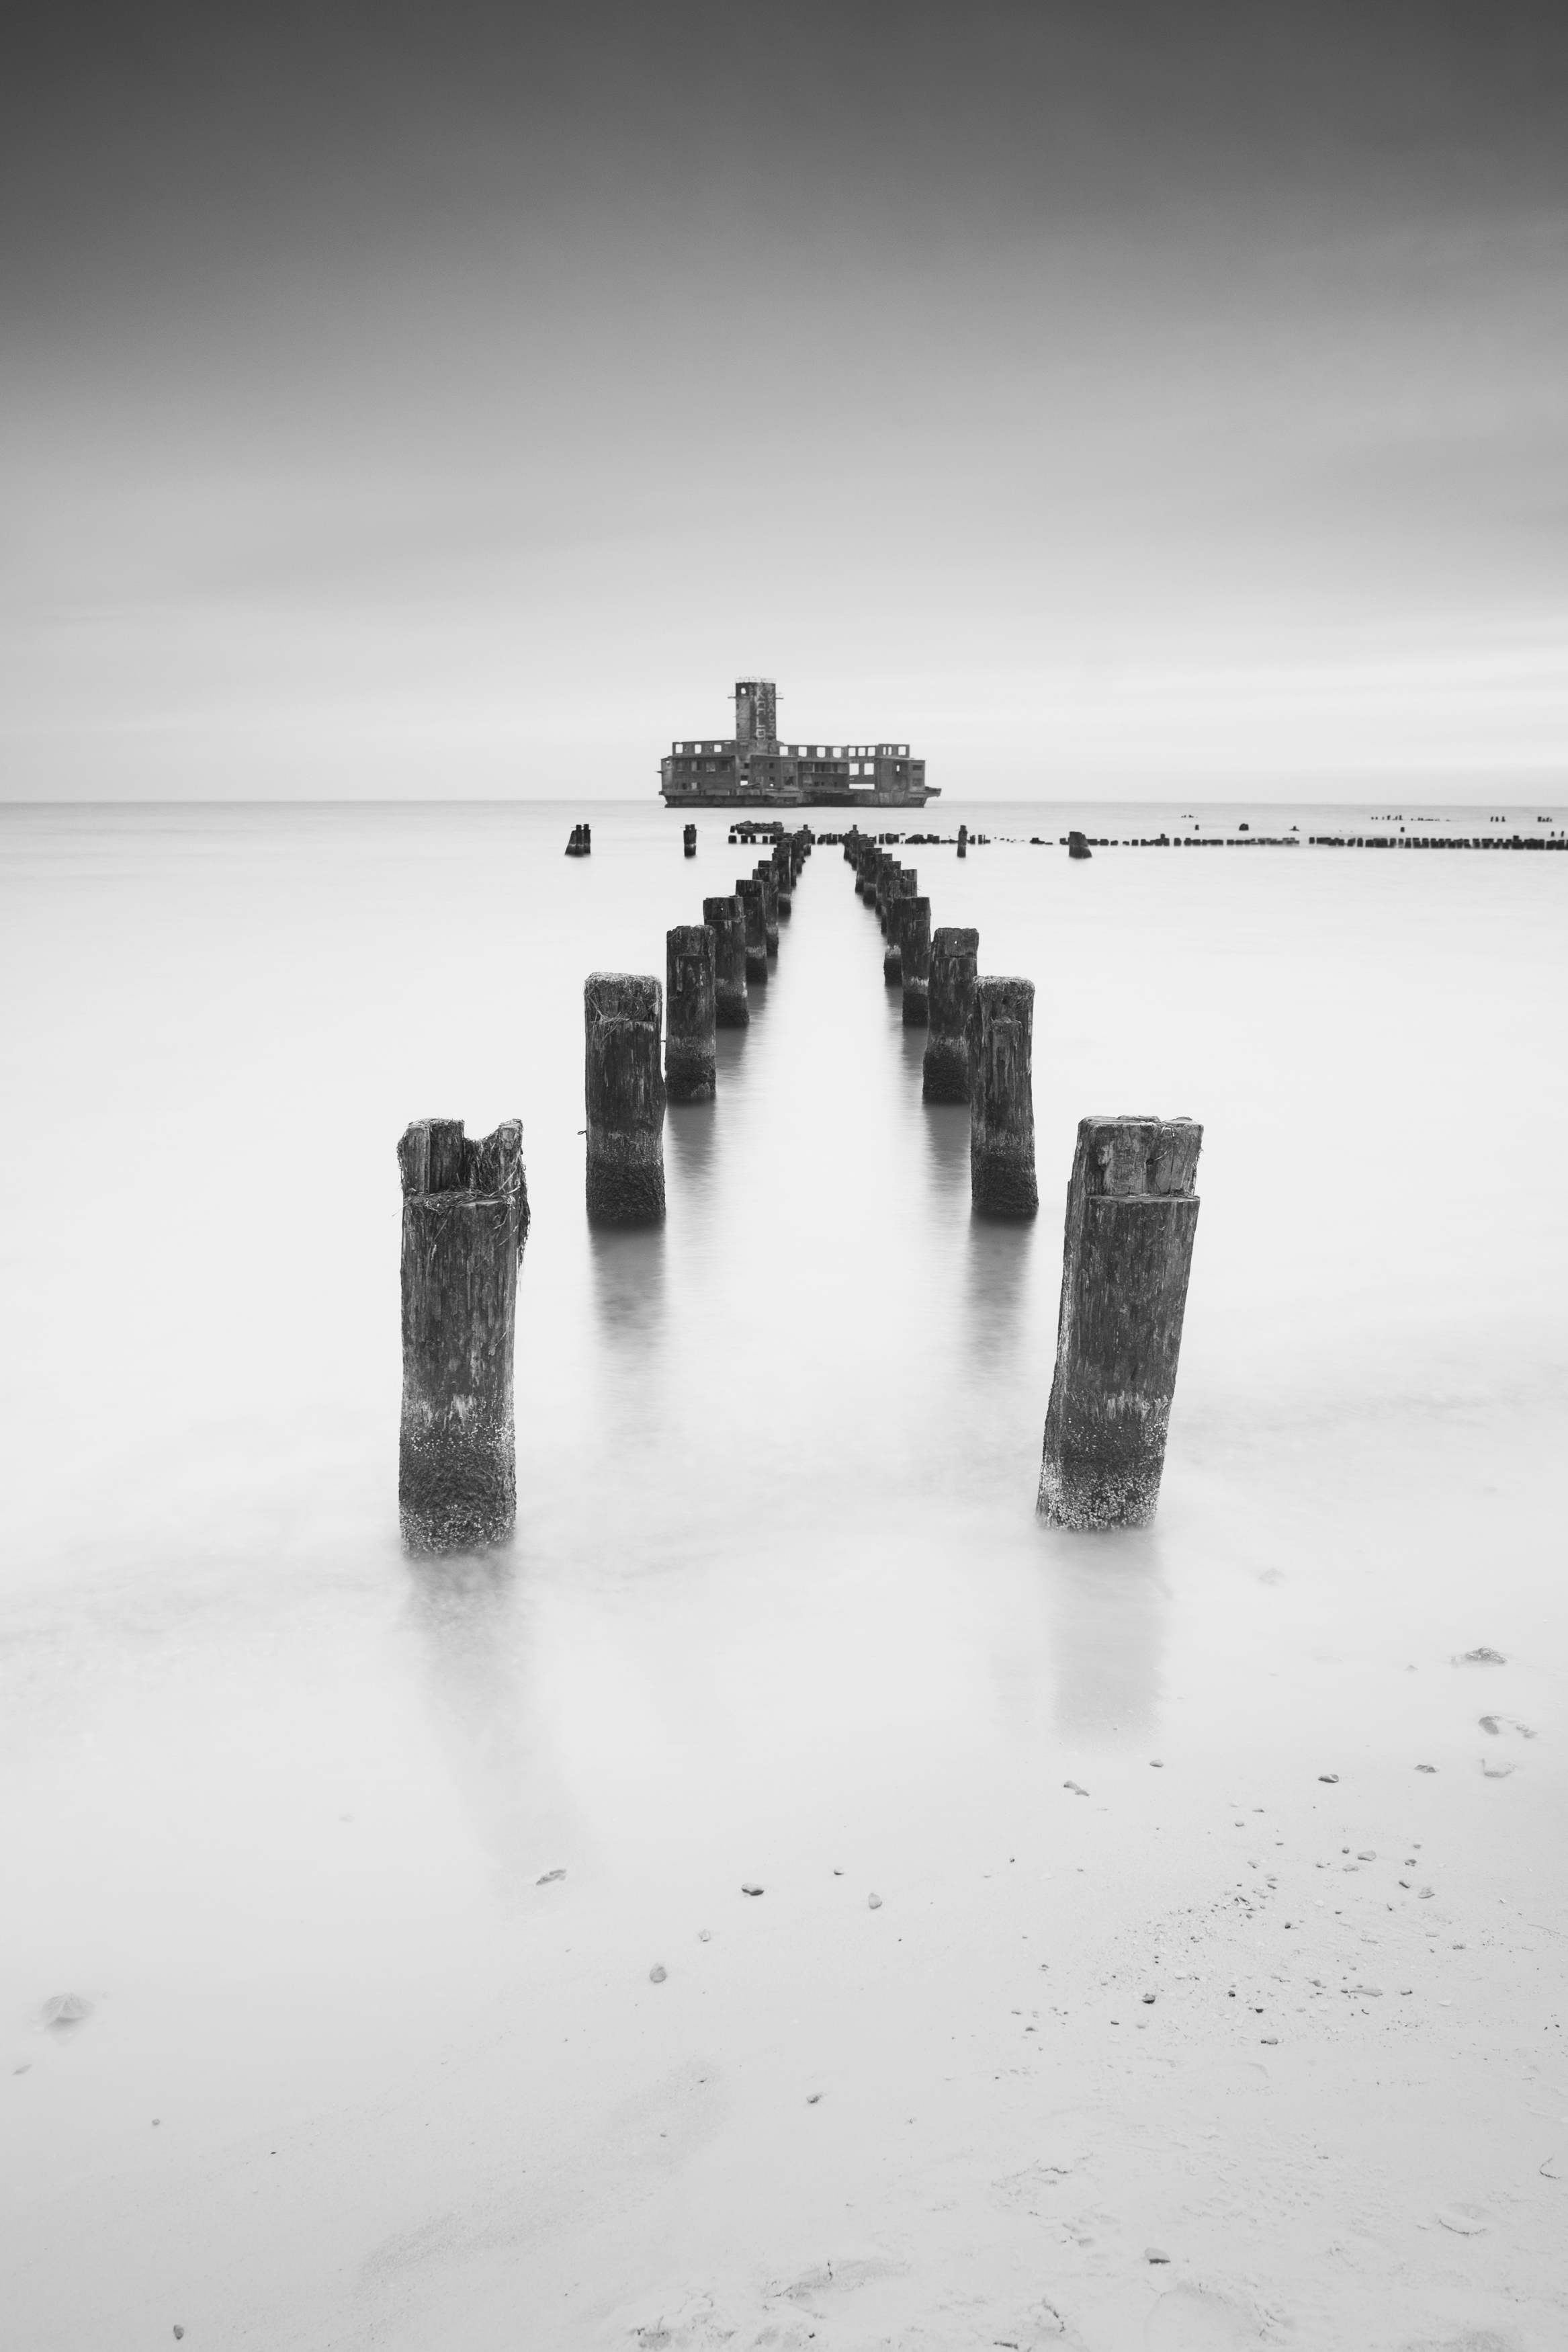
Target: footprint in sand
1195	2319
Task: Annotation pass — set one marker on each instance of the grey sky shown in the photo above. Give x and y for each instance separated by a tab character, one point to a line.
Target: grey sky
454	401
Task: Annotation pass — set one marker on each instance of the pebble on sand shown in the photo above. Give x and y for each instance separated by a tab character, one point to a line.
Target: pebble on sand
178	2332
873	1903
549	1877
657	1973
1481	1657
1426	1768
1075	1788
66	2008
1330	1777
1154	2255
750	1890
1468	2220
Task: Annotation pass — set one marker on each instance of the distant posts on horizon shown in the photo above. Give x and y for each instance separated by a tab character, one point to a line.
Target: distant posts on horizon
625	1098
749	893
955	958
1001	1098
1132	1214
465	1221
915	950
731	1009
691	1054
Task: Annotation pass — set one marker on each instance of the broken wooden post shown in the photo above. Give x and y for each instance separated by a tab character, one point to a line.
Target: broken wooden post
691	1054
1001	1098
767	877
465	1221
963	841
1078	846
914	960
945	1074
1132	1214
625	1095
784	872
728	921
689	840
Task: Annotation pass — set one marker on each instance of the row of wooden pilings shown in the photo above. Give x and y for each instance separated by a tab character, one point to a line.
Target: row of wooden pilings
1132	1211
710	968
466	1201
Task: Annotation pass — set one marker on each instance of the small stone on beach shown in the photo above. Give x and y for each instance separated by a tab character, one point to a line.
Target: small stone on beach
1154	2255
1330	1777
550	1876
1075	1788
657	1973
873	1903
1481	1657
751	1890
68	2008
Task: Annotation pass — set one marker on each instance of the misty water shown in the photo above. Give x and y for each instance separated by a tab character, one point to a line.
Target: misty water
285	1806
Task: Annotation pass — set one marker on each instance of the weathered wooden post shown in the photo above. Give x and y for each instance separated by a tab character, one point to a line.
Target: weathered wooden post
784	875
691	1054
963	841
465	1221
1078	846
689	840
944	1073
901	890
1132	1214
1001	1098
625	1098
768	877
914	960
728	922
749	893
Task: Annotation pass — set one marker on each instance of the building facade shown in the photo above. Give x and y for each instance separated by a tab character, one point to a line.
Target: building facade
753	769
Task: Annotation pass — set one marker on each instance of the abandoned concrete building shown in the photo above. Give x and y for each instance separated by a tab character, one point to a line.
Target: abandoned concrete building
753	767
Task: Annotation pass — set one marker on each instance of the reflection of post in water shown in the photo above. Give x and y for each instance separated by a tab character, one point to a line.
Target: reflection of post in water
1108	1610
469	1617
997	1271
628	1284
691	1131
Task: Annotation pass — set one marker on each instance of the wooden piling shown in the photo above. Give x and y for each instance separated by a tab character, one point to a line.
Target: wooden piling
914	960
1132	1214
944	1073
625	1096
689	840
1001	1098
727	920
963	841
465	1221
691	1054
767	877
749	893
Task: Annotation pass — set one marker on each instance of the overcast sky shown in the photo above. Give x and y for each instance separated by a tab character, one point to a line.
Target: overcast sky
455	399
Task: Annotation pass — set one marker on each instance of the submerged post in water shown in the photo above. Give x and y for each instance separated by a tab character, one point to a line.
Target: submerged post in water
914	952
1001	1098
625	1095
723	916
1132	1214
691	1055
955	957
465	1221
